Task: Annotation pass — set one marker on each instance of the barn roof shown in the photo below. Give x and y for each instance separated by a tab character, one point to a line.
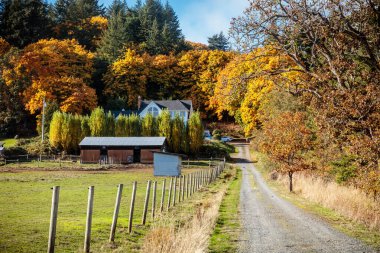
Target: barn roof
123	141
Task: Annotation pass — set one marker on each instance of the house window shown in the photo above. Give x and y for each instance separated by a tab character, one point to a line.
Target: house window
182	114
153	111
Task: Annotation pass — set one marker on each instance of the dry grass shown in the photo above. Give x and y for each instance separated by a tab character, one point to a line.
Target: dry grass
188	233
348	201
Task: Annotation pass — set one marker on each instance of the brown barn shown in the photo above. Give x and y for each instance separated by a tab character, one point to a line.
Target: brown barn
117	150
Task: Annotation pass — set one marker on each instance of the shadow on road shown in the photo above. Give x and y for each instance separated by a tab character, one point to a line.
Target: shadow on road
241	160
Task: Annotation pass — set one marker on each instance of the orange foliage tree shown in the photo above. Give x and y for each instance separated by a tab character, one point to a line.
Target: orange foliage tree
286	139
57	71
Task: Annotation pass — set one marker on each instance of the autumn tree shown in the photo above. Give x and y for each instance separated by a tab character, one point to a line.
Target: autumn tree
243	84
55	70
97	122
127	77
200	69
286	139
336	46
195	132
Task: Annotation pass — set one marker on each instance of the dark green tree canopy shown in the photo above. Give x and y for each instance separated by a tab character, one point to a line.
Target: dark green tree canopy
24	21
218	42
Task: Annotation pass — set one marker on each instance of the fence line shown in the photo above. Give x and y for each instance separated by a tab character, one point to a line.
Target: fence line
187	186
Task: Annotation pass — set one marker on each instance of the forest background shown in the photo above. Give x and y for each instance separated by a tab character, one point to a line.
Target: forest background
304	80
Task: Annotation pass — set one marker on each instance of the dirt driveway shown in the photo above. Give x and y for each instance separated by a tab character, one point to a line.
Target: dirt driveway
271	224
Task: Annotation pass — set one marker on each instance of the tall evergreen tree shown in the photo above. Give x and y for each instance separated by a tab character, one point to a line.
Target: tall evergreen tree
24	21
116	35
153	40
218	42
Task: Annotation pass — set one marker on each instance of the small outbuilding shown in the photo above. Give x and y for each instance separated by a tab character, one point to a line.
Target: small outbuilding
167	164
120	150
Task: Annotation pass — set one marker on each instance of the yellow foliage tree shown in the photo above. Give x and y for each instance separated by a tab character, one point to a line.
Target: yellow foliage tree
200	69
57	71
127	77
243	84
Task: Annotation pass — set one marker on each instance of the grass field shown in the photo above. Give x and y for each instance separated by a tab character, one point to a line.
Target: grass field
25	201
227	230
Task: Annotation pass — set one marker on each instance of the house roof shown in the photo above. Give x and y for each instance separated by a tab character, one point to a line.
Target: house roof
172	105
123	141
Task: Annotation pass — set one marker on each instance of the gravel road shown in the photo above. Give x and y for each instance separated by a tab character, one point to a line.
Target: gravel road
271	224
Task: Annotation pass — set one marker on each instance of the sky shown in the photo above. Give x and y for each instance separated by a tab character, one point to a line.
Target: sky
200	19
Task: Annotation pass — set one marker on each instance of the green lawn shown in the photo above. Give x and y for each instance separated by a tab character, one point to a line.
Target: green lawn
227	230
25	201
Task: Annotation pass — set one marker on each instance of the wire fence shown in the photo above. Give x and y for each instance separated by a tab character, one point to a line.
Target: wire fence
145	201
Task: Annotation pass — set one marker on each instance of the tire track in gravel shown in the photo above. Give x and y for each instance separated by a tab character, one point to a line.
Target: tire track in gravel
271	224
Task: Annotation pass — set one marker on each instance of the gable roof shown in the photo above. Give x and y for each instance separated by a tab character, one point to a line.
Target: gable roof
172	105
123	141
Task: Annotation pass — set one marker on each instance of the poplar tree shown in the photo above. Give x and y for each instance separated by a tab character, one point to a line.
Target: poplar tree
85	128
110	125
164	124
177	134
149	127
134	124
121	126
97	122
55	133
195	132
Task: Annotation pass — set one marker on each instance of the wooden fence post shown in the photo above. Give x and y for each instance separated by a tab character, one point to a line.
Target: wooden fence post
133	197
180	189
90	204
116	212
146	202
183	187
53	219
170	192
175	190
154	199
163	196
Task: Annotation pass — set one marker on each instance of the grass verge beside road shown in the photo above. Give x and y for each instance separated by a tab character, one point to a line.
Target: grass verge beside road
224	239
334	217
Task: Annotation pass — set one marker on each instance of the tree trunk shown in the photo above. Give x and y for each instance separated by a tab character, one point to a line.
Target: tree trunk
290	181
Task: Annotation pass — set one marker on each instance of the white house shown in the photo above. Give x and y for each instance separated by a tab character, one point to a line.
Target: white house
183	108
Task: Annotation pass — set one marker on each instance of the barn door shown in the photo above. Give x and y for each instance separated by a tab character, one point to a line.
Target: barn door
137	155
